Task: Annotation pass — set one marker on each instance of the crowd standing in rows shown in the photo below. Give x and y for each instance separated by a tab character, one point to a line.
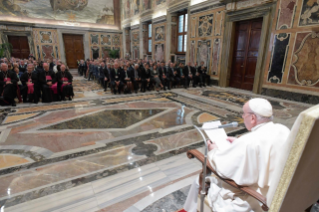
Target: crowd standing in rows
30	80
127	76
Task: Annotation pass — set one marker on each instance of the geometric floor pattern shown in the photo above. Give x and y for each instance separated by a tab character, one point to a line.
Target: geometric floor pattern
102	152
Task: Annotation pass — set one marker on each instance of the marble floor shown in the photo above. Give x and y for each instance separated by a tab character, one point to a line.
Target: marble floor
102	152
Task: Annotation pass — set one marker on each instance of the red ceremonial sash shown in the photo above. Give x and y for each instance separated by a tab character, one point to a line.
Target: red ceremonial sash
30	87
64	79
7	79
49	78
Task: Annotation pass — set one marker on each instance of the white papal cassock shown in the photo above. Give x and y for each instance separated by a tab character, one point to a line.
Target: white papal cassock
250	161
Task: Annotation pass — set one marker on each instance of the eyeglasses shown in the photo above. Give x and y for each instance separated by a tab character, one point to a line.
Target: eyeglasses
243	114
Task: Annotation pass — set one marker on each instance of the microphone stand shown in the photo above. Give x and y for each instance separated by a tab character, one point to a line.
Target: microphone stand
203	192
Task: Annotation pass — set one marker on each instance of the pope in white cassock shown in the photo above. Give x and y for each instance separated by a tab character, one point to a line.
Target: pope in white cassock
249	161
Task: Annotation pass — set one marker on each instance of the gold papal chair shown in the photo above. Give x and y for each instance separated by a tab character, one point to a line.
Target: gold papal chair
295	186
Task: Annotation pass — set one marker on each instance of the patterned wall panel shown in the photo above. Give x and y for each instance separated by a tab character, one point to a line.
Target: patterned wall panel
101	43
192	50
106	40
159	52
159	33
304	70
287	9
205	25
216	56
46	43
309	13
218	23
203	52
206	32
158	41
193	27
279	56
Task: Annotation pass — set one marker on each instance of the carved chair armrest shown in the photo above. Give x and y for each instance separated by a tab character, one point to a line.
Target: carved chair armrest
196	154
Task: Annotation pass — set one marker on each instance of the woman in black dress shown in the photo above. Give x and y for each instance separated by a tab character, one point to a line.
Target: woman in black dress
64	79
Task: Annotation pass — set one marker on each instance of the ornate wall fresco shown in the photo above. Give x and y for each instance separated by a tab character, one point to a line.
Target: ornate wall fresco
206	39
159	52
287	9
159	33
293	61
192	51
304	70
136	52
101	43
81	11
159	41
205	25
46	43
279	55
309	13
203	52
215	56
135	43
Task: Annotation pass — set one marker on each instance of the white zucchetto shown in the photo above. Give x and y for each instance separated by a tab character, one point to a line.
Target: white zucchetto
260	107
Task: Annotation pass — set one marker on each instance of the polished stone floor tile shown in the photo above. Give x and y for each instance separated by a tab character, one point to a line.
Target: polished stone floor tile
113	153
175	141
52	107
23	181
11	160
11	119
106	119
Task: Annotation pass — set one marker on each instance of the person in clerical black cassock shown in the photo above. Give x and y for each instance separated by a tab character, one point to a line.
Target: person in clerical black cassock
49	85
65	88
8	85
30	79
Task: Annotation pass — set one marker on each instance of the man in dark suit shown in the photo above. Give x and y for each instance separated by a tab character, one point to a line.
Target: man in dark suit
82	68
22	67
52	64
191	74
205	75
198	75
164	76
183	74
91	69
173	76
116	76
104	75
136	77
146	78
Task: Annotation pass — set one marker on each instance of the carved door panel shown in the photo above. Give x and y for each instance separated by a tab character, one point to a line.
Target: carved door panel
20	46
246	45
73	45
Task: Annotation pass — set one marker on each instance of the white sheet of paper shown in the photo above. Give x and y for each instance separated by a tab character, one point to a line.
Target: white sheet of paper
217	136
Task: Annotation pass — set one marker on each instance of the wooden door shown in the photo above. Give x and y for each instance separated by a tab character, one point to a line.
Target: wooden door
246	45
20	46
73	45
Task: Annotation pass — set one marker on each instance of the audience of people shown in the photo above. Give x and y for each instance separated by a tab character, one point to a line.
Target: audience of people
127	76
32	81
47	81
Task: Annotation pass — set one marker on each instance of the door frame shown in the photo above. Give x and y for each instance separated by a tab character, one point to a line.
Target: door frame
266	12
16	33
74	32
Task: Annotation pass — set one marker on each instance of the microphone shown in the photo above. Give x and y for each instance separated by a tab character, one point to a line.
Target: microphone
233	124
